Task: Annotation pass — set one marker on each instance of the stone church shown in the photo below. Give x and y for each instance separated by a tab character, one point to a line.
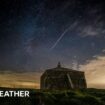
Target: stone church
62	78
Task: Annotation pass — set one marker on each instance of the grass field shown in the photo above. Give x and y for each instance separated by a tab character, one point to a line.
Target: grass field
57	97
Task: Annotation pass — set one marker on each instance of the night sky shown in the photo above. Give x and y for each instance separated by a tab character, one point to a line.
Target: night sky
36	34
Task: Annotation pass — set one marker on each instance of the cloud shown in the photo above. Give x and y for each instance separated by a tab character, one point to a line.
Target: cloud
92	24
103	50
90	30
95	72
20	79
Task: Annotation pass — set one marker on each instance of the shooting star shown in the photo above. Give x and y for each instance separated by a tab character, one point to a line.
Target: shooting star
63	34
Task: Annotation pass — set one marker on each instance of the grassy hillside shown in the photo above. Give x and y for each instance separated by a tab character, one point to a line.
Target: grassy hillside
65	97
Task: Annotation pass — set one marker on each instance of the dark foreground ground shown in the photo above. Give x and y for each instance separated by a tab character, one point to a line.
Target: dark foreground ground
58	97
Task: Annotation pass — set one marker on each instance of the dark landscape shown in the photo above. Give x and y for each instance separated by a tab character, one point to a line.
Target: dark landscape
57	97
36	35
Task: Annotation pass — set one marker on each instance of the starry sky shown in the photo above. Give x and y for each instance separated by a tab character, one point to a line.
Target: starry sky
36	34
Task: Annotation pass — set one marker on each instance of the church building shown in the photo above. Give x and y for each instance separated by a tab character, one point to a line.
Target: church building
62	78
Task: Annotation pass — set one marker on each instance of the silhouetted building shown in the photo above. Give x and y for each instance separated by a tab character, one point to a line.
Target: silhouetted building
62	78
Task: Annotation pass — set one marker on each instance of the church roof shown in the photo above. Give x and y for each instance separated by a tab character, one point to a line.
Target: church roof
59	68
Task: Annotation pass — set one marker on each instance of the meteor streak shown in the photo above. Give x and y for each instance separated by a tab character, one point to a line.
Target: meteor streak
63	34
